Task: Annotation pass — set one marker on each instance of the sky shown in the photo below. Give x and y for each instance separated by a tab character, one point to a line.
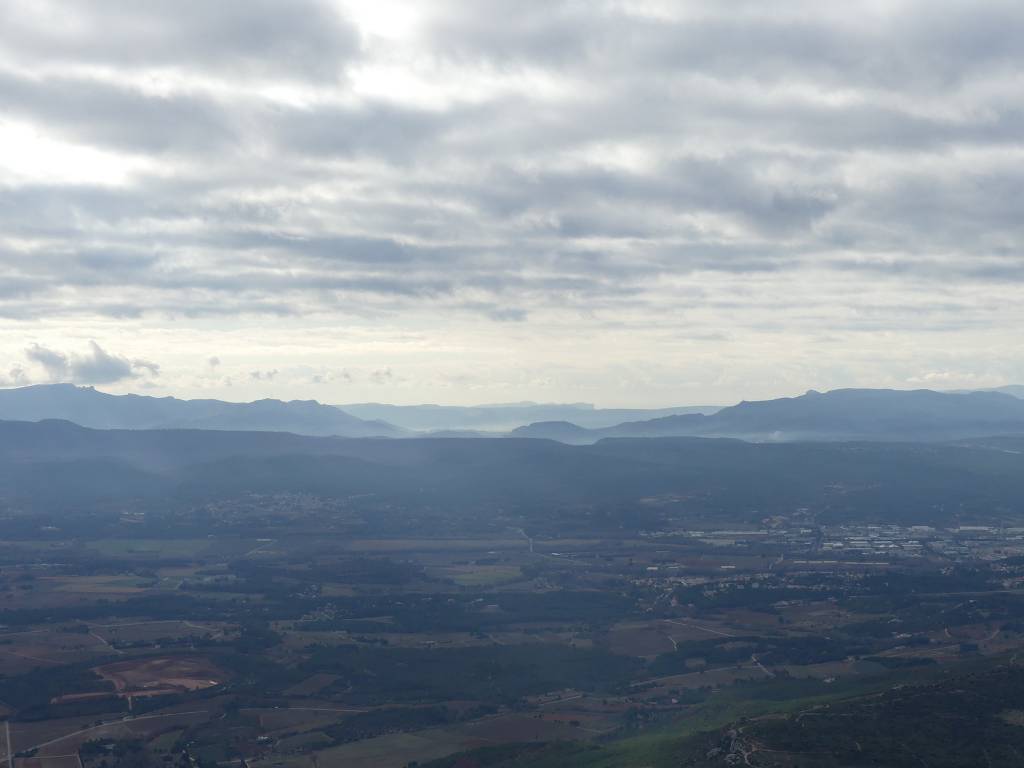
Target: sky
630	203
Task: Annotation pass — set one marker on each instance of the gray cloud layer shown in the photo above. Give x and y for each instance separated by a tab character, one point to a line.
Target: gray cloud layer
700	169
305	39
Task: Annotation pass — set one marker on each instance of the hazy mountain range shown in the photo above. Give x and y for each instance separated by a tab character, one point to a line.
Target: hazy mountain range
504	417
842	414
1017	390
89	407
911	455
845	414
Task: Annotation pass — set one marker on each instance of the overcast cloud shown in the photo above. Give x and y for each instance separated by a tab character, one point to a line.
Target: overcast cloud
633	202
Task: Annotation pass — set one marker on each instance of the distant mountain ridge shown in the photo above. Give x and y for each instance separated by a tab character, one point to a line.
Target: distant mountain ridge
839	415
89	407
1017	390
508	416
842	414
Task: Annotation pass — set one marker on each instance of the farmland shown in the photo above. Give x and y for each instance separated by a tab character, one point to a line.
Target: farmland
294	645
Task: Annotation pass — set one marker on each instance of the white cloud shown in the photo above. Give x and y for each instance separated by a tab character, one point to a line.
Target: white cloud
97	366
